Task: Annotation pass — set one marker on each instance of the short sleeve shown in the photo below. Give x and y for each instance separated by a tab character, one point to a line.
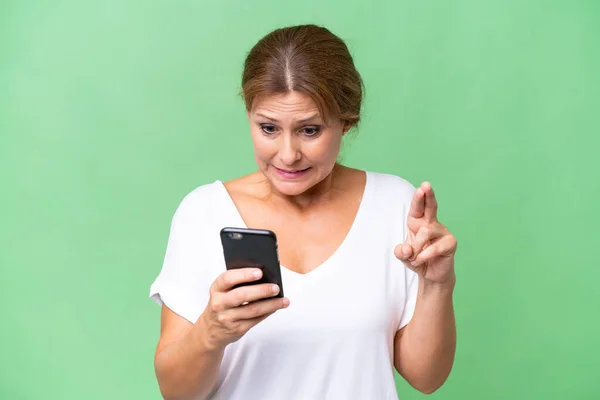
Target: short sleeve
183	283
412	286
408	280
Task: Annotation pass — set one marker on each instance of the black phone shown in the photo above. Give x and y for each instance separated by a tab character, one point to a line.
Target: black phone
253	248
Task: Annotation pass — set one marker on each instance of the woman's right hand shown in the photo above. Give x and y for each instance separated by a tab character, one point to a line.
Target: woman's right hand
227	317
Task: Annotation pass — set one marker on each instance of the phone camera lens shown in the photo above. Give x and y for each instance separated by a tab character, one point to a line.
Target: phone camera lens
230	235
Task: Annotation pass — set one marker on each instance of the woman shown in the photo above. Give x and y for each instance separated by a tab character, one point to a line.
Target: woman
367	268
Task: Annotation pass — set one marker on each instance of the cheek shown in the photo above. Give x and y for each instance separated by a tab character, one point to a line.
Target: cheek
263	149
325	150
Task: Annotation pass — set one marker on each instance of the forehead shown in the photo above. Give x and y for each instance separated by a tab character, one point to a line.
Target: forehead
293	104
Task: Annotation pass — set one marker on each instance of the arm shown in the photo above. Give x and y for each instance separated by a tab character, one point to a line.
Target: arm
186	367
188	356
424	349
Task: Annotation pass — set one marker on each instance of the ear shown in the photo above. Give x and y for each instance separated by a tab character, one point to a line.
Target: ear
347	127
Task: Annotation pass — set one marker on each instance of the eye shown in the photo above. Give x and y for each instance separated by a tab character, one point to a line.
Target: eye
268	129
311	131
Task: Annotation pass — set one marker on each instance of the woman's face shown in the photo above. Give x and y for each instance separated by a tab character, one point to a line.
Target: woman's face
293	147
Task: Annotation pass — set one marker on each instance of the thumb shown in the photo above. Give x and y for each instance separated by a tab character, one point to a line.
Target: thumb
403	251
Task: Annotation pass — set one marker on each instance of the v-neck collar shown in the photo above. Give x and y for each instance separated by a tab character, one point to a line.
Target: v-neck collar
240	223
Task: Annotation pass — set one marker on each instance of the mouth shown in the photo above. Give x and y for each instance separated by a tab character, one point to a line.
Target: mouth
290	174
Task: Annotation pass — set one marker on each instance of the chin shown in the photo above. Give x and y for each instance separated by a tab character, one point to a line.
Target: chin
290	188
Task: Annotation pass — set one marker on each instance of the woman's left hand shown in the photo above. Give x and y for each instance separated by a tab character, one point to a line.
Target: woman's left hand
430	247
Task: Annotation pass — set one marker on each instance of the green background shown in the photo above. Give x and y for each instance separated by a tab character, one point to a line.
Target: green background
111	111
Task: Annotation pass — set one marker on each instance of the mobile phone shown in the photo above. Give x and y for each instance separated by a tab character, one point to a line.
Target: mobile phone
252	248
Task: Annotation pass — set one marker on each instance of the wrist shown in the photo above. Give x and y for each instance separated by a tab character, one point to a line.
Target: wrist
205	341
446	287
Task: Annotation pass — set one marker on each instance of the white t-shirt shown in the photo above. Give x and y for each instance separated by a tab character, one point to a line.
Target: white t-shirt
335	340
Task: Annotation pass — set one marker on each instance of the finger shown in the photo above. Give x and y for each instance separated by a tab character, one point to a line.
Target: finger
417	205
257	309
431	205
403	251
443	247
248	294
232	277
247	324
426	234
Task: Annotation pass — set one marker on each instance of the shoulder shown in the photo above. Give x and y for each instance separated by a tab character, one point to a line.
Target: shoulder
397	187
390	198
198	201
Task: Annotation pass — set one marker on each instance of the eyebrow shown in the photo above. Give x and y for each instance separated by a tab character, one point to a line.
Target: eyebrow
303	120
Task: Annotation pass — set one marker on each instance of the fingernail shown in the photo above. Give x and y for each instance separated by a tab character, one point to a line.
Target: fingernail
415	263
275	289
286	302
257	273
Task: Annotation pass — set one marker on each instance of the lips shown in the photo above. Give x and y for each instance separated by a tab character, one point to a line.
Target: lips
290	174
292	171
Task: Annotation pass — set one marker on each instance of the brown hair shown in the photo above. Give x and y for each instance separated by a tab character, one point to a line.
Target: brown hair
308	59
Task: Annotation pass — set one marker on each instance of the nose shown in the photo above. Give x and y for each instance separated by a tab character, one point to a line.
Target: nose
289	151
